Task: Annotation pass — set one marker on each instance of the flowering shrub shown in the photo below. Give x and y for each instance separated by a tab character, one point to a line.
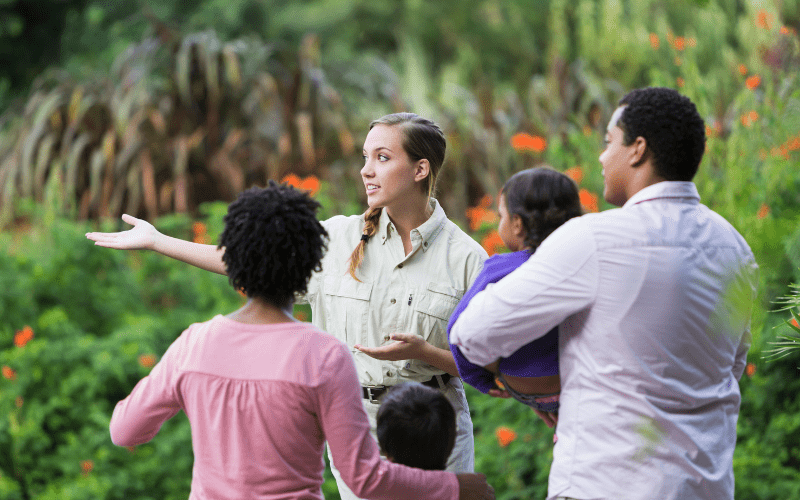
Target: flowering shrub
81	325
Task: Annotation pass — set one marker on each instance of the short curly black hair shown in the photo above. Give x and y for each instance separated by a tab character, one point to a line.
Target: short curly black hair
273	242
416	426
669	122
543	199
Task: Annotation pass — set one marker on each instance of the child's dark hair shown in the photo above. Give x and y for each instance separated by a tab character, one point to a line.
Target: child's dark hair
544	199
273	242
416	426
669	122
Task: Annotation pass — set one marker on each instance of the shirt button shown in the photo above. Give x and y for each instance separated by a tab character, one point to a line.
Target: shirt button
392	301
388	374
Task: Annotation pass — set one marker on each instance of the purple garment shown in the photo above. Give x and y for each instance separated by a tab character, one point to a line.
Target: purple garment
535	359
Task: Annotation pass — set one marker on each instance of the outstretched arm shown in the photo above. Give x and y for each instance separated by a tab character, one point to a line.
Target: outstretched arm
143	236
410	346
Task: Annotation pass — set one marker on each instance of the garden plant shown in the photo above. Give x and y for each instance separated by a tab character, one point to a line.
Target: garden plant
175	117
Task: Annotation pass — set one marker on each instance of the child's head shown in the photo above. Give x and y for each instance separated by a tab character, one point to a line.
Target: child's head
533	204
416	426
273	242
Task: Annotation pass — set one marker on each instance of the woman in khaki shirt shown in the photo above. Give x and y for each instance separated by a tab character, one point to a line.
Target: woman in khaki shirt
391	277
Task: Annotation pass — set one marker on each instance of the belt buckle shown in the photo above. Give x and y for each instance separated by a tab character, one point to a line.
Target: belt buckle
372	399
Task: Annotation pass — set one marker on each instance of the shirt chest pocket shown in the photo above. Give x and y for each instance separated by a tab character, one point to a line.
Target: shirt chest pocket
432	311
346	303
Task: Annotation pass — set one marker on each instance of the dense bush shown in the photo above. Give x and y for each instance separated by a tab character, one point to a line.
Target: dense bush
514	84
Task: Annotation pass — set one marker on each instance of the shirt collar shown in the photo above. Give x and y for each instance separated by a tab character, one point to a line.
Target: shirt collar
685	190
428	231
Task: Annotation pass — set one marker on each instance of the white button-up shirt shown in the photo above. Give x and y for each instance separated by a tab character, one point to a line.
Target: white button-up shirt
654	302
414	293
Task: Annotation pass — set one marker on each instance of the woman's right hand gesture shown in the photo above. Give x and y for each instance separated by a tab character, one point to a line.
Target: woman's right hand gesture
141	236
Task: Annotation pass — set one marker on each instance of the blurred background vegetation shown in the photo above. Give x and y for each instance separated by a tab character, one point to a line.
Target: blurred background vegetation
167	109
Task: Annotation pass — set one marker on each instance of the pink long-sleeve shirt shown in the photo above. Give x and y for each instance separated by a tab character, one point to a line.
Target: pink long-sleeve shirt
262	400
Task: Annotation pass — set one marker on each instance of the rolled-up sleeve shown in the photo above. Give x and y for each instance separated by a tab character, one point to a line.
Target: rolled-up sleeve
560	279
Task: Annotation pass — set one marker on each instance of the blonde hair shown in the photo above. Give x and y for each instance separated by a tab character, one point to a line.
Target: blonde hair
422	140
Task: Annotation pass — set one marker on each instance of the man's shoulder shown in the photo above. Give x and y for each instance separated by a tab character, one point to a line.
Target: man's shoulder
733	236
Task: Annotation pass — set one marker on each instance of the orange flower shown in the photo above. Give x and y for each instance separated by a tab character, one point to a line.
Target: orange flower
527	142
654	41
478	216
749	118
742	69
9	373
752	82
680	81
575	173
794	322
492	243
18	401
709	131
23	336
750	369
310	184
505	436
679	43
147	360
764	19
486	201
86	467
588	200
793	143
199	231
291	180
785	30
763	211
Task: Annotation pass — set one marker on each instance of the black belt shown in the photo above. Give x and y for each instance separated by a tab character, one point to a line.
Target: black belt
373	393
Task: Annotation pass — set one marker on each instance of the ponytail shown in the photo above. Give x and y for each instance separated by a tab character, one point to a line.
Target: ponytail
371	219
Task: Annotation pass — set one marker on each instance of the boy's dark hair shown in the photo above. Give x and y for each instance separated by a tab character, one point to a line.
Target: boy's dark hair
273	242
544	199
669	122
416	426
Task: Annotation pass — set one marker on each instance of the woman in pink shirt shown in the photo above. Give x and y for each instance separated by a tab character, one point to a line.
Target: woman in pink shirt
263	392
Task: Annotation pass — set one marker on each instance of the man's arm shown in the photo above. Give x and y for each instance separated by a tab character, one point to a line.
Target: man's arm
558	280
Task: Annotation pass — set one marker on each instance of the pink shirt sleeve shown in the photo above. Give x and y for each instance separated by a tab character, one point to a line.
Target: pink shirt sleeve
138	418
355	453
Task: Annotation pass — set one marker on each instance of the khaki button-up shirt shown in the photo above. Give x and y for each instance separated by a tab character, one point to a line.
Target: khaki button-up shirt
414	293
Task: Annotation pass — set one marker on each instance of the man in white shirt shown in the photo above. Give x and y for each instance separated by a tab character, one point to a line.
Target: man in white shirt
654	302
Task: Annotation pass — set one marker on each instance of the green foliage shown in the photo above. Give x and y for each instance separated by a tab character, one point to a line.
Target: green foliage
179	122
205	98
96	315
